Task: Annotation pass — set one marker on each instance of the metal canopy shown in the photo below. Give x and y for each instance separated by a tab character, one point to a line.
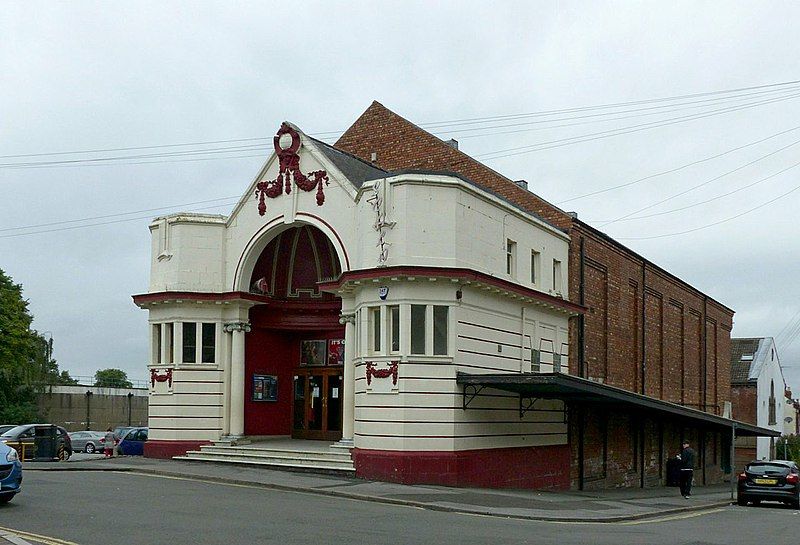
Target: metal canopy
533	386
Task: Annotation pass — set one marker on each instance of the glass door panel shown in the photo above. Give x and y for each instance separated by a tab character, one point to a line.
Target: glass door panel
299	420
334	403
316	402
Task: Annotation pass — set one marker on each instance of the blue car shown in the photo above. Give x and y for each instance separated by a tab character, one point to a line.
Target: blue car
10	473
132	443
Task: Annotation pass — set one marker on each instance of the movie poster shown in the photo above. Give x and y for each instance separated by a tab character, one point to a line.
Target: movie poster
313	353
336	352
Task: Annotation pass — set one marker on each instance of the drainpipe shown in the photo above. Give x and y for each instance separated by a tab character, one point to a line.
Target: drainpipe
88	409
581	317
581	436
642	374
644	326
733	457
130	402
704	359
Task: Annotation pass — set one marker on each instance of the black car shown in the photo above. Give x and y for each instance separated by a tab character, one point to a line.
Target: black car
32	441
773	480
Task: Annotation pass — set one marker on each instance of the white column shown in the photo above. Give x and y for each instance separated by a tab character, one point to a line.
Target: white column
348	395
237	384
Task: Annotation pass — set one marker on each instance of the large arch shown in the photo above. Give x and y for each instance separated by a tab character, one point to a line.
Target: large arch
259	241
294	351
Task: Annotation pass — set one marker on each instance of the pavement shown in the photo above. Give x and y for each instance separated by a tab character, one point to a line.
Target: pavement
601	506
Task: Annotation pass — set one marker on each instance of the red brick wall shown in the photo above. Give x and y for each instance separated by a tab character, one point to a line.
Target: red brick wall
674	366
744	403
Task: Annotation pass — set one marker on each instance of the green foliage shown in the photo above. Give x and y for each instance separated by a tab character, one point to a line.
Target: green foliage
112	378
26	361
792	448
18	371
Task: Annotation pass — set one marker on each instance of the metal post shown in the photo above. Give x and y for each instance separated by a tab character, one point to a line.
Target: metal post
130	401
733	461
88	409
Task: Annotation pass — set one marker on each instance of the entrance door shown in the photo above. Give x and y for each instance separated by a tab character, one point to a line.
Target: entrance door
317	407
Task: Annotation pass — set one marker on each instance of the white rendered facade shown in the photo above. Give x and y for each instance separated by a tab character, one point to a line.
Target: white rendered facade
437	276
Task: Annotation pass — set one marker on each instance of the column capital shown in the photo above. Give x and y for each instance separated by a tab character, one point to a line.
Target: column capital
347	318
237	326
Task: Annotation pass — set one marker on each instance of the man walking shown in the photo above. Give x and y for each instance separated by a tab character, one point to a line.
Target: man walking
687	469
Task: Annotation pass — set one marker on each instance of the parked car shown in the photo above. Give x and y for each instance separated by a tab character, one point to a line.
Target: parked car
28	439
132	443
88	441
10	473
120	431
773	480
5	427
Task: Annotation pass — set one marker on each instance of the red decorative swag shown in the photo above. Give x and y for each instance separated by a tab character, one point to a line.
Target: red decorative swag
289	169
390	371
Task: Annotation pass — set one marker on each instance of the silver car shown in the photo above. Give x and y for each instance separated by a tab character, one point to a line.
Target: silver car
88	441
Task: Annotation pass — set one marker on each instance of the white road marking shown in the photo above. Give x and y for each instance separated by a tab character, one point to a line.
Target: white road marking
18	534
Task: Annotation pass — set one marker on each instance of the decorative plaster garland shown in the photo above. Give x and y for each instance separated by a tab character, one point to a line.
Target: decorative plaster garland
289	164
155	377
390	371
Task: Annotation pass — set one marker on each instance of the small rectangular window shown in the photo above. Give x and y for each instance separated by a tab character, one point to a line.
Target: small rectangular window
440	330
557	276
156	356
394	324
375	324
417	329
536	360
169	342
209	343
511	257
189	342
535	265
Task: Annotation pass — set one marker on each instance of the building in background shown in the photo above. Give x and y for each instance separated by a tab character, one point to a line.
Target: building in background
758	393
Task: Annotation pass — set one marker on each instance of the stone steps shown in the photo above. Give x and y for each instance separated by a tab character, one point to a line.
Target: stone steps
330	460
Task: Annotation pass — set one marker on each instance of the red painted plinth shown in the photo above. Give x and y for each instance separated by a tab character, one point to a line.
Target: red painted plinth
168	449
526	467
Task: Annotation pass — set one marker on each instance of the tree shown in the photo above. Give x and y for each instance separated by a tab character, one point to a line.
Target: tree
112	378
788	448
18	371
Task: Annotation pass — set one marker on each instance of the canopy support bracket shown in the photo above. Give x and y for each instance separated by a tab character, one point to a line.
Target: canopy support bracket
471	391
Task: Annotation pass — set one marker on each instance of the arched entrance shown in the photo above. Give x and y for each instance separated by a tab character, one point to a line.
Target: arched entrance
294	352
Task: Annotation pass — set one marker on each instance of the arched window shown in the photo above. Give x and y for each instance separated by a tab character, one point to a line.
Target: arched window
772	416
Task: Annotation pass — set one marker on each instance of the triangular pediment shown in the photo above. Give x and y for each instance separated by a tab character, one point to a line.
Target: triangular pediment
301	163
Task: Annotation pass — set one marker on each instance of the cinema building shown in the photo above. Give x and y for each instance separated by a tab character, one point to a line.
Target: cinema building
395	301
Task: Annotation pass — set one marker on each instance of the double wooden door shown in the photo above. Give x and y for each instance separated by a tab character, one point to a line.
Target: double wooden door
317	404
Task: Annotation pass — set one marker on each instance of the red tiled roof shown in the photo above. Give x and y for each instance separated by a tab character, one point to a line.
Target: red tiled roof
399	144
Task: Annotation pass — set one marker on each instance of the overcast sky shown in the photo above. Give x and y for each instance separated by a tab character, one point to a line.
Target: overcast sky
83	76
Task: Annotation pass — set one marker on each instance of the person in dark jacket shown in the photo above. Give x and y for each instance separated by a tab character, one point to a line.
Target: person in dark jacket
687	469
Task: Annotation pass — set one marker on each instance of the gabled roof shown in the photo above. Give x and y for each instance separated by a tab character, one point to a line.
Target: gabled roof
399	144
354	169
747	358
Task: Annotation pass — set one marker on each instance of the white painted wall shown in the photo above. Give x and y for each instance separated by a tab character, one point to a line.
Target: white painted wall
768	374
432	220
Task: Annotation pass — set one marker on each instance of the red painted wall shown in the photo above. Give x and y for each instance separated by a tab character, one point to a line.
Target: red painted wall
168	449
527	467
274	352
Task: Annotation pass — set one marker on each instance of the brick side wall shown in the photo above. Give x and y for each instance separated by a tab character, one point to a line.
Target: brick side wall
675	369
637	312
744	403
